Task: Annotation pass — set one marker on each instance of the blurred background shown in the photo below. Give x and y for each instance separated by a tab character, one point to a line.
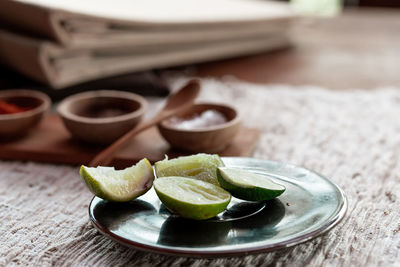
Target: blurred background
335	44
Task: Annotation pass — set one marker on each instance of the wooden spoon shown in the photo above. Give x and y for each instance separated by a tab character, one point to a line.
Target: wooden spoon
176	103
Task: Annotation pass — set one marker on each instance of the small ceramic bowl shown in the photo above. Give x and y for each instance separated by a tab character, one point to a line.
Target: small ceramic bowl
101	117
34	104
208	139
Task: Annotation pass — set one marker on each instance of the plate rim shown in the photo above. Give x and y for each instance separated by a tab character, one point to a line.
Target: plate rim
335	219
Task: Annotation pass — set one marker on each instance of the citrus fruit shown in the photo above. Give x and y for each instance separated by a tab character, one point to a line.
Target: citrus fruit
199	166
119	185
191	198
247	185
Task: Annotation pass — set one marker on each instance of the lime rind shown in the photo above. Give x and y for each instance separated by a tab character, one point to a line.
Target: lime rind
119	185
247	185
200	166
92	184
191	198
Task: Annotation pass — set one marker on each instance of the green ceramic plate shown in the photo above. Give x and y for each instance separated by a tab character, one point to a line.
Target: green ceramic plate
310	206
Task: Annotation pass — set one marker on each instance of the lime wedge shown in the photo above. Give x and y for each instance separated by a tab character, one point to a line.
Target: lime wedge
199	166
119	185
191	198
247	185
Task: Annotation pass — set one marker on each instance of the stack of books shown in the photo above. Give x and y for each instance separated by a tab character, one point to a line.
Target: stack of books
66	42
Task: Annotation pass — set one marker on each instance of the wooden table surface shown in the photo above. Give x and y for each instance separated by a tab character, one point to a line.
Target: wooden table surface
359	49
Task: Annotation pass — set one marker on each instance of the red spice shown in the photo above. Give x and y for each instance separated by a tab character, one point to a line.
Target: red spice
7	108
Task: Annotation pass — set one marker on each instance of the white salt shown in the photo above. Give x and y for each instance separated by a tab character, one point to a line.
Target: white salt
205	119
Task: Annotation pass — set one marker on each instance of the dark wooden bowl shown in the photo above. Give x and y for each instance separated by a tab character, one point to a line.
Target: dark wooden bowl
101	117
211	139
17	124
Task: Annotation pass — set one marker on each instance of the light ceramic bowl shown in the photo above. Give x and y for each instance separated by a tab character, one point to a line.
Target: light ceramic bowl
17	124
210	139
101	117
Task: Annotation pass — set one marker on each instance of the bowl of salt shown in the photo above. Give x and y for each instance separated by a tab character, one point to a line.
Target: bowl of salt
205	127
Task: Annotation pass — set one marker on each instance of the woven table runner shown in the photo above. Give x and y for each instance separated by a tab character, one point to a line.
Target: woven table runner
352	137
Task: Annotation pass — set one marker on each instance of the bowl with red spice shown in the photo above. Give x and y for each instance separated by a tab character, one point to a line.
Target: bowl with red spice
205	127
102	116
21	110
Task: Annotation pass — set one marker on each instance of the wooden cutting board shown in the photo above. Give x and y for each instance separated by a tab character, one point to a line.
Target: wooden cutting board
51	142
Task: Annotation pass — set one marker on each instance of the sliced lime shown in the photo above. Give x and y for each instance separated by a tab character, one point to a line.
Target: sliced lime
200	166
247	185
119	185
191	198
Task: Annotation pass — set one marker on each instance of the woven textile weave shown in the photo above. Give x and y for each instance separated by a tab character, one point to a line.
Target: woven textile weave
352	137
